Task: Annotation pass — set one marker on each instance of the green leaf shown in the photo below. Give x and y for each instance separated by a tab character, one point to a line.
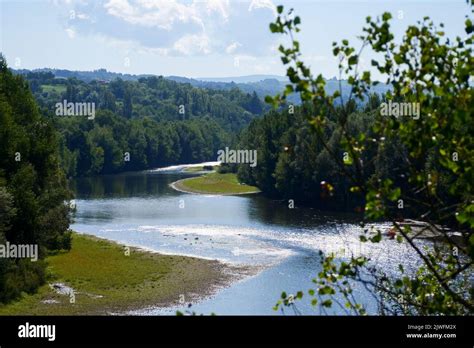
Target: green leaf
386	16
269	99
353	60
326	303
469	26
377	238
394	194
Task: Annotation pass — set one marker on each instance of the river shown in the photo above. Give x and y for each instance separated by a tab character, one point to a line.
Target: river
141	209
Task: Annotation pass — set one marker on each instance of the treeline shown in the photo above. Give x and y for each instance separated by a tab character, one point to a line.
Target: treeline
112	144
298	163
33	189
87	76
142	124
294	163
154	97
271	86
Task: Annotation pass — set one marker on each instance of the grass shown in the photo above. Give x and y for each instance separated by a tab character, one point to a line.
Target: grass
215	183
106	280
198	169
54	88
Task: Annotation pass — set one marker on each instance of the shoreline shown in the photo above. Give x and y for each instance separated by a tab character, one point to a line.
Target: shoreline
182	167
178	186
123	284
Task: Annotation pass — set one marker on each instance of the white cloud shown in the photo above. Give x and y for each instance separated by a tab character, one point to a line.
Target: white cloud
82	16
128	46
192	44
220	6
233	47
153	13
70	32
124	45
120	8
182	27
256	4
255	65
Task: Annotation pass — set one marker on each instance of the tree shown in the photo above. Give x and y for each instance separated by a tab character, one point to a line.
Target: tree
127	104
436	153
34	196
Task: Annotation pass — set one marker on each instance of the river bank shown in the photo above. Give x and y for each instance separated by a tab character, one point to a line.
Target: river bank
283	245
99	277
214	183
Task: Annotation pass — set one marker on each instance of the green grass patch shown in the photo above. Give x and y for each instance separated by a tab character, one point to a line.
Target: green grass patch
215	183
53	88
106	280
199	169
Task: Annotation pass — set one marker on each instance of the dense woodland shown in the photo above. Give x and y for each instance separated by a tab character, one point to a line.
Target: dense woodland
34	197
262	85
156	121
294	164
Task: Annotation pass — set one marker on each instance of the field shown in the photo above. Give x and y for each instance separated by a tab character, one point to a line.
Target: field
54	88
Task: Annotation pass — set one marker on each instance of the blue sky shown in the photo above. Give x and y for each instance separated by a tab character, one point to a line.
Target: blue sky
193	38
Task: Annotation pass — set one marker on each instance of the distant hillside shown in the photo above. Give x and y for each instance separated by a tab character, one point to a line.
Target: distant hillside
159	121
152	96
262	85
142	123
86	76
243	79
262	88
272	86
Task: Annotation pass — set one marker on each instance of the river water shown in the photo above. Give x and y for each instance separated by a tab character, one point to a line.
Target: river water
141	209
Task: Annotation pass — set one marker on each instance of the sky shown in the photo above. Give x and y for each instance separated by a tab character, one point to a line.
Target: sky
195	38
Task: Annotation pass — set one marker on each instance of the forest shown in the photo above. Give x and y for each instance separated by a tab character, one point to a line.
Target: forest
141	124
34	194
294	164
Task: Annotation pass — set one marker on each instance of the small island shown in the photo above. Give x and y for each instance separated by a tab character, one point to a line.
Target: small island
214	183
